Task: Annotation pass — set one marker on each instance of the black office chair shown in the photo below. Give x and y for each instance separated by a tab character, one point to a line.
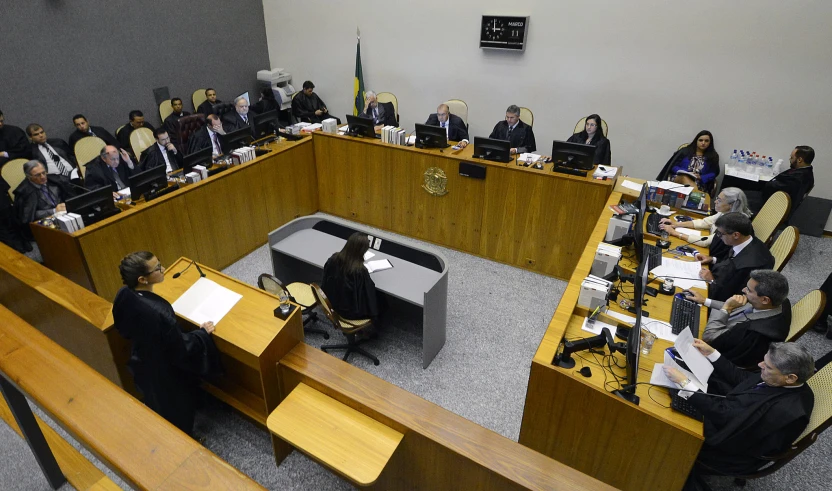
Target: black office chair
349	327
300	293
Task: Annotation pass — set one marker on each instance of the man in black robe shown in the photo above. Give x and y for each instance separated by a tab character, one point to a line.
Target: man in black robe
171	123
113	169
518	133
382	113
53	153
742	327
208	136
308	107
240	117
162	153
728	277
83	130
797	181
40	195
207	106
453	124
136	121
13	142
759	417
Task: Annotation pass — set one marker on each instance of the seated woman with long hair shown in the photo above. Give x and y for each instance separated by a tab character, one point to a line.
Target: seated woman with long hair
696	164
166	362
593	134
347	282
728	200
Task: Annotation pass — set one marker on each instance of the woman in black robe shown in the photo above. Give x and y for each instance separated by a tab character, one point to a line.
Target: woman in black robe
593	134
165	362
347	282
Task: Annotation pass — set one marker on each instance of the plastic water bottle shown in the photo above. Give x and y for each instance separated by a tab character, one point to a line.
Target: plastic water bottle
741	160
734	159
778	167
770	166
751	162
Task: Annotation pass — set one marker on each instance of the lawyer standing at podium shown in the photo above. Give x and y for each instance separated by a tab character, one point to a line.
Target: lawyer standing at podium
453	124
165	361
518	133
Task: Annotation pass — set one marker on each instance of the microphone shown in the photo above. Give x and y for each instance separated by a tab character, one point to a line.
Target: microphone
201	273
700	239
177	275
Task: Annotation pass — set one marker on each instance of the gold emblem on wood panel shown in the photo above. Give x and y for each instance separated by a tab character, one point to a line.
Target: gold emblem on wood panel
435	181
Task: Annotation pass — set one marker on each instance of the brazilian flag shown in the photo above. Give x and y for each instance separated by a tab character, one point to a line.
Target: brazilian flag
358	82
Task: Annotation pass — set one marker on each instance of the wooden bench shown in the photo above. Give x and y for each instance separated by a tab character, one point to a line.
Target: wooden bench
136	443
355	446
438	450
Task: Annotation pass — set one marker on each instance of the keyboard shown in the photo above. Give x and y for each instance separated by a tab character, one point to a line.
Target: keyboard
569	170
682	405
161	192
653	253
684	313
217	170
653	224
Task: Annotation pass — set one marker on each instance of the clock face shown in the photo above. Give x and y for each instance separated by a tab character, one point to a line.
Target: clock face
502	32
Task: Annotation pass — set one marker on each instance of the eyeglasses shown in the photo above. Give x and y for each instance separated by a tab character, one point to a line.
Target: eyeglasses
158	268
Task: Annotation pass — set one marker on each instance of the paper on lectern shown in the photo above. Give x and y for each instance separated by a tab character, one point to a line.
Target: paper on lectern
206	301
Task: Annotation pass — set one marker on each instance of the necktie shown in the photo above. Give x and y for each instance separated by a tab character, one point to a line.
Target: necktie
216	143
375	113
731	253
92	133
508	133
62	168
443	124
119	182
46	194
245	119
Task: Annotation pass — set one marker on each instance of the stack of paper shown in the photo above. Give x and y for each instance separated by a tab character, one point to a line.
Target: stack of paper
594	292
607	171
631	185
206	301
379	265
685	274
606	258
700	368
526	157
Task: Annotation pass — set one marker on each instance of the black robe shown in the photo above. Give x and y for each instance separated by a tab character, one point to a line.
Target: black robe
171	124
603	155
522	136
731	275
752	422
353	295
207	107
794	182
13	141
165	362
99	132
99	175
233	121
747	342
152	157
28	200
386	114
200	139
304	107
456	127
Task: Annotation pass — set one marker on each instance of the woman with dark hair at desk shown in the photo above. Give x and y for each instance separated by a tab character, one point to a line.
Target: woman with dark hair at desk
347	282
695	164
593	134
165	362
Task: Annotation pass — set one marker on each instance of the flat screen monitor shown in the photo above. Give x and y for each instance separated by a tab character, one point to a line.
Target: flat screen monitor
492	149
628	391
94	205
148	182
235	139
359	126
573	155
200	157
264	124
431	136
638	224
244	95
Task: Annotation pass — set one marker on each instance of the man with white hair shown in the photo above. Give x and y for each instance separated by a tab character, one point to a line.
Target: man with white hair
40	194
241	117
382	113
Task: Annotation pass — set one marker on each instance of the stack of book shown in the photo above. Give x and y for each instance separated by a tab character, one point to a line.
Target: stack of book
595	292
606	259
676	195
394	135
69	222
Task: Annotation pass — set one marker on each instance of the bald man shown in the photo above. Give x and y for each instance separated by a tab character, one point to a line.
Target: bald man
113	168
454	126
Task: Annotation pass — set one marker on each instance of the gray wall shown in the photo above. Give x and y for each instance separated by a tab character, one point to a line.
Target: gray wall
103	59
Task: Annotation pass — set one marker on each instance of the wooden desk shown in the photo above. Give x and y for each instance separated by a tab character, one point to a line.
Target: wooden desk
575	420
251	340
517	215
216	221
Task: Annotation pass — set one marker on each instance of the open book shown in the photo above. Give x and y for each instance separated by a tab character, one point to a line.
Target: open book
379	265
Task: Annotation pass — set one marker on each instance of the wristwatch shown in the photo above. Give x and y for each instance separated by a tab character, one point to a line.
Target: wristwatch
684	383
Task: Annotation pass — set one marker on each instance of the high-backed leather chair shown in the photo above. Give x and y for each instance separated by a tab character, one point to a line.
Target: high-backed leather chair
222	109
189	125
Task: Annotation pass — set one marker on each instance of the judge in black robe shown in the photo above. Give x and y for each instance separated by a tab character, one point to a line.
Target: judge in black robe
154	156
14	144
456	130
241	117
603	155
347	282
308	107
382	113
166	362
31	203
109	169
207	136
518	133
761	415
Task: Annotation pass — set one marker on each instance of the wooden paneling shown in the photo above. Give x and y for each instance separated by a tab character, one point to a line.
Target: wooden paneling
62	254
290	187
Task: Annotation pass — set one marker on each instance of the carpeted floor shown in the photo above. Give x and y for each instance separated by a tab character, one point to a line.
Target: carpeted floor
496	317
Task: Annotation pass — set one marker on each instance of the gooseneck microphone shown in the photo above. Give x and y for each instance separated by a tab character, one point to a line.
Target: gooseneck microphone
177	275
700	239
201	273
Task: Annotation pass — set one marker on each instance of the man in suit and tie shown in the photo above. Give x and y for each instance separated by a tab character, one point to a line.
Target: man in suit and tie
743	326
761	415
207	106
172	122
515	131
382	113
728	277
113	169
241	117
40	194
161	153
454	126
83	130
208	136
54	153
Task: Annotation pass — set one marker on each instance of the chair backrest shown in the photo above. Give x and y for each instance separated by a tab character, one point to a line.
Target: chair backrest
821	385
389	97
87	149
189	125
783	248
222	109
165	109
118	130
323	301
459	108
683	145
580	125
141	139
527	116
805	313
13	174
198	98
271	284
771	216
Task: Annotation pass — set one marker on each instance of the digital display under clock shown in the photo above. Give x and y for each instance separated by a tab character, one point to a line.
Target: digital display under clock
503	32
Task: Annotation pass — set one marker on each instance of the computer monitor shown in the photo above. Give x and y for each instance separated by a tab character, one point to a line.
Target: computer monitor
245	95
148	182
94	205
492	149
359	126
573	155
431	136
200	157
633	353
236	139
638	224
264	124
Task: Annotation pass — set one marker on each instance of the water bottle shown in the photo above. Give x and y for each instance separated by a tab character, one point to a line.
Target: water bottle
770	166
733	162
778	167
741	160
751	162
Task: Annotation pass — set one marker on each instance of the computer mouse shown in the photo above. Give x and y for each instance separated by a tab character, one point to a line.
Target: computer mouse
585	371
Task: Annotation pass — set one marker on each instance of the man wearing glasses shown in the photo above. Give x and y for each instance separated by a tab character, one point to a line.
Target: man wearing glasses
163	153
743	326
40	194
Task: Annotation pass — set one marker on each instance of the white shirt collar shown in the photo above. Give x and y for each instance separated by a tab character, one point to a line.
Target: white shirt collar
739	247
